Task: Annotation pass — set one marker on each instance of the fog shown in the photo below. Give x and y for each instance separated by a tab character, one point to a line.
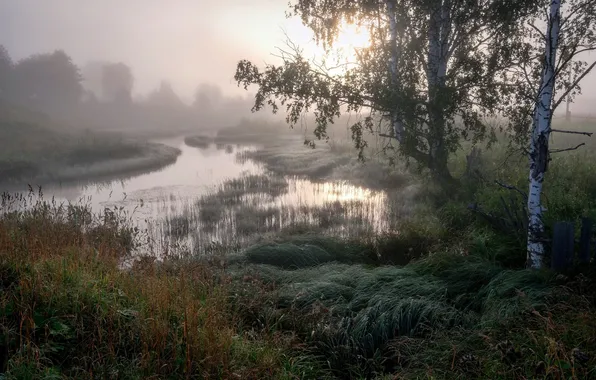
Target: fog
185	41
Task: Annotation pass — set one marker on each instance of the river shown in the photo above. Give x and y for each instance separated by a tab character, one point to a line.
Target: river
160	201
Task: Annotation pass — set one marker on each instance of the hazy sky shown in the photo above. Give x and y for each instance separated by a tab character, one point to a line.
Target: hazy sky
184	41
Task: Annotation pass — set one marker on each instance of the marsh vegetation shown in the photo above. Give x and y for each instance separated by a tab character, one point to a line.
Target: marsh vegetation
275	273
293	291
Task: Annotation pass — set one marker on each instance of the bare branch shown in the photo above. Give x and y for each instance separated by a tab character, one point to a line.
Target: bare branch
576	10
537	29
567	149
528	80
572	132
510	187
573	85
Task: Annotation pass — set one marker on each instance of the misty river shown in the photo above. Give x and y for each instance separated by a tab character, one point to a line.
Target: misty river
162	201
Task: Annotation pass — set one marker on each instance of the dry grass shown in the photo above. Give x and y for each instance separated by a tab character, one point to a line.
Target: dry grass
68	310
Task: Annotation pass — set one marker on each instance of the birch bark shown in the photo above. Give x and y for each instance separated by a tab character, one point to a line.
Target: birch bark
540	137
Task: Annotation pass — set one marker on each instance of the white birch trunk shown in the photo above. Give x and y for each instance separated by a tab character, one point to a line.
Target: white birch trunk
540	135
398	128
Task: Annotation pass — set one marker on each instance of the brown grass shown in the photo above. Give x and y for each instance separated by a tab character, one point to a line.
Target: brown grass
67	308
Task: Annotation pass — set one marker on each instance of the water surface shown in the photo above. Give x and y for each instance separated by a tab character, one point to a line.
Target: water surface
165	202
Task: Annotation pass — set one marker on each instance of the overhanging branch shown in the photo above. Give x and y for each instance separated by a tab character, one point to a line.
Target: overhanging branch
511	187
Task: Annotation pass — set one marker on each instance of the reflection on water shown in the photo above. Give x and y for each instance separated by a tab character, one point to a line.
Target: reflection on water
193	202
193	174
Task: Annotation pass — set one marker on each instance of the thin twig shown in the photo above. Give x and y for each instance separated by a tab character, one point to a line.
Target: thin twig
574	84
589	134
537	30
567	149
510	187
386	135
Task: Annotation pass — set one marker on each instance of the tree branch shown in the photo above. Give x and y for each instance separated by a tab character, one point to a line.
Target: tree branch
589	134
567	149
537	30
419	156
576	10
527	77
573	85
510	187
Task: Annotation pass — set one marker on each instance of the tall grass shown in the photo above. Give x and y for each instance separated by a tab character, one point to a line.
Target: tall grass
357	314
68	310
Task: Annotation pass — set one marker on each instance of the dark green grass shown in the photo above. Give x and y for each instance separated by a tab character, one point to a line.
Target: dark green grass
460	305
355	313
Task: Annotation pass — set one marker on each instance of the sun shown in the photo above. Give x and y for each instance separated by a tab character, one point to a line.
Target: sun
343	53
352	37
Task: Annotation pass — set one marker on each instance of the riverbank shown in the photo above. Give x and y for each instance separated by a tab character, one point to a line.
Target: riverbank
286	154
35	155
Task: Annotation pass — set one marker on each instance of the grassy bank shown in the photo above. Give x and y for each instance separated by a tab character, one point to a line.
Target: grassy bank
283	151
30	153
68	310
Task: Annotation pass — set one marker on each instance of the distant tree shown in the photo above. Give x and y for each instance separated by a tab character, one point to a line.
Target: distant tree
6	72
92	73
208	97
164	96
48	81
117	82
433	71
236	107
89	97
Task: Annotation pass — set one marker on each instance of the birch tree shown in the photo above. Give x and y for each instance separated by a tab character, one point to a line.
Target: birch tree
433	71
570	33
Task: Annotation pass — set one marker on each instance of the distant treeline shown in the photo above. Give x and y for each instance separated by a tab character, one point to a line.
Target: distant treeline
99	95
